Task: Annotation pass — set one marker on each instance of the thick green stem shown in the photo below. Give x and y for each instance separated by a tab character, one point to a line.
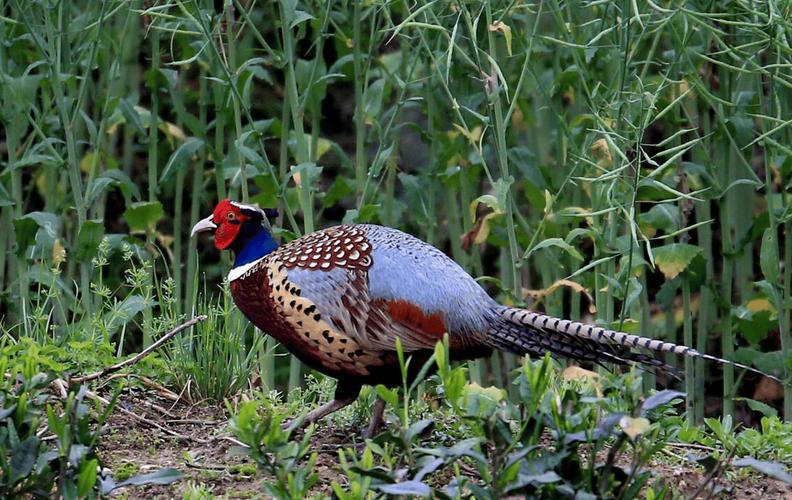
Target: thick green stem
361	159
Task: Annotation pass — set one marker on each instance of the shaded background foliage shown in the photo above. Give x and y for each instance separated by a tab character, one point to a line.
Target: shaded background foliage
620	161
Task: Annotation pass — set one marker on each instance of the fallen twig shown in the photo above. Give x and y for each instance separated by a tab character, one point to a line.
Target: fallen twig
142	354
163	391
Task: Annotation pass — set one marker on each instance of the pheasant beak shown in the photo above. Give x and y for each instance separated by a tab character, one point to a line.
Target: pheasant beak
203	225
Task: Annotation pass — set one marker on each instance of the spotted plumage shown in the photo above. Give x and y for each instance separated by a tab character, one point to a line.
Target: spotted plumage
340	298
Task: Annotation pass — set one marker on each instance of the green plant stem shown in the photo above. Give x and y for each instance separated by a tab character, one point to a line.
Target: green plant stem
302	156
240	160
687	329
727	335
503	164
707	312
361	159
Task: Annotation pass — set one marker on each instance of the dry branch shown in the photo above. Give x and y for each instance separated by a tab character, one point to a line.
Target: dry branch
142	354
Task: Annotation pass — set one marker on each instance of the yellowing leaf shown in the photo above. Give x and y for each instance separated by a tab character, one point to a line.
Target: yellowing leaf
634	427
756	305
171	130
479	233
473	136
507	34
579	374
576	287
601	153
675	258
491	392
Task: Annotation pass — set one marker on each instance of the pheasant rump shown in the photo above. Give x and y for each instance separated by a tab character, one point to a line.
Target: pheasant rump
339	298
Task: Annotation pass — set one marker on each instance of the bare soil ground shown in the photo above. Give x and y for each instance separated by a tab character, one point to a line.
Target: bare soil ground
195	440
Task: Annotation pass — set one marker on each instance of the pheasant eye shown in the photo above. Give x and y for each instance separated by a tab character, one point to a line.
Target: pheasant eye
231	216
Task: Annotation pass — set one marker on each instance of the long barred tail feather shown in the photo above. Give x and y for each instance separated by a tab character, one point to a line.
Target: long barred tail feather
526	332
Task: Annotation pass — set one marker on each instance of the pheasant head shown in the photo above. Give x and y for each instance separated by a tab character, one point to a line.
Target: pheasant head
244	229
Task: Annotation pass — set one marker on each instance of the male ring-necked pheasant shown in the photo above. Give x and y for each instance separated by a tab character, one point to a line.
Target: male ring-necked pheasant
338	299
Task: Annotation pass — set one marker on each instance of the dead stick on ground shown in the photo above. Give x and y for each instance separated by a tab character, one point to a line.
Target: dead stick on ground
142	354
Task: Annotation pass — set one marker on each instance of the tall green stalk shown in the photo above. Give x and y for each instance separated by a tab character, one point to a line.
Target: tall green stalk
361	159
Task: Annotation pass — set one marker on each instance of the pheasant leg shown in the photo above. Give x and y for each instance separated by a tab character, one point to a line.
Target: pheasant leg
376	419
344	396
326	409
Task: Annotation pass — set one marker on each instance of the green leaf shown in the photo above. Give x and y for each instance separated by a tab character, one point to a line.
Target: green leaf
390	396
379	162
112	178
300	17
411	488
768	257
772	469
144	215
763	408
634	427
87	477
88	240
337	192
419	428
42	228
367	213
555	242
372	99
674	258
182	156
305	174
164	476
482	401
659	399
23	458
663	216
123	312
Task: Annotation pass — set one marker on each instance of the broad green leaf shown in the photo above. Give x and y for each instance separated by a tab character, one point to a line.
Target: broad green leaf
763	408
181	157
143	216
23	457
112	178
88	240
390	396
634	427
372	100
663	216
482	401
305	174
340	189
418	428
87	477
675	258
772	469
768	257
367	213
123	312
268	191
43	228
407	488
659	399
164	476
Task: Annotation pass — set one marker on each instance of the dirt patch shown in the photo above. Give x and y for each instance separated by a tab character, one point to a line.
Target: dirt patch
198	444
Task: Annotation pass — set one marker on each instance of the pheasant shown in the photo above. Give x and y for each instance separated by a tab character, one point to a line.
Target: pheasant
339	298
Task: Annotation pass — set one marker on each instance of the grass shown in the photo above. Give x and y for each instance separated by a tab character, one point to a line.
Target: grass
619	162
